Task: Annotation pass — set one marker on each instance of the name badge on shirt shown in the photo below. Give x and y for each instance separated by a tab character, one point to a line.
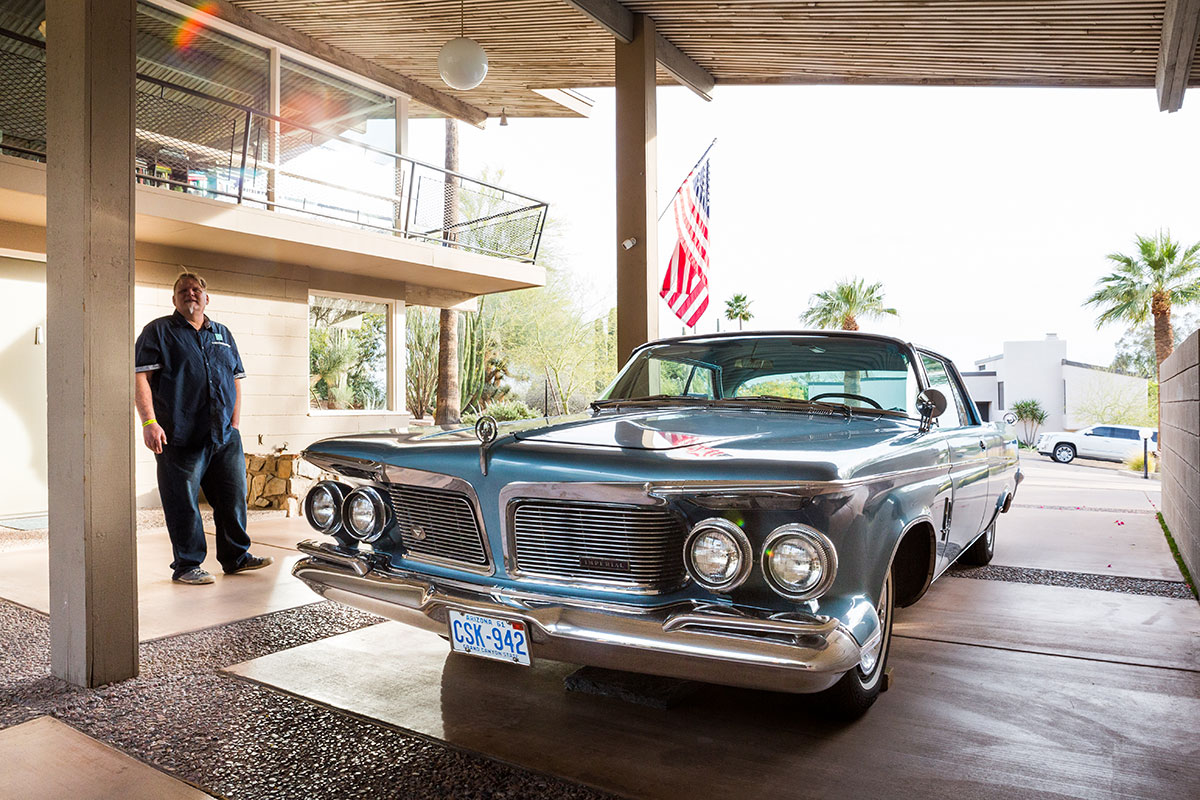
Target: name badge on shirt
217	336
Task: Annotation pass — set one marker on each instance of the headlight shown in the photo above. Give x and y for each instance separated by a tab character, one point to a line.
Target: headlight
717	554
798	562
365	514
323	506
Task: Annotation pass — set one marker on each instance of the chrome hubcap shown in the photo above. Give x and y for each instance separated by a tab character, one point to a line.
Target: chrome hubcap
870	652
1063	453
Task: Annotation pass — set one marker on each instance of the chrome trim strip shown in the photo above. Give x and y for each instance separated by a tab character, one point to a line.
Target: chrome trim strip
794	652
323	551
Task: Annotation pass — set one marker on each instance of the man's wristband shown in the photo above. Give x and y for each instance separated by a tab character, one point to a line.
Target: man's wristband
149	422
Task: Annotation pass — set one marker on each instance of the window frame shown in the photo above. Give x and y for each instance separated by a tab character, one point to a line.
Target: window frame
393	390
968	414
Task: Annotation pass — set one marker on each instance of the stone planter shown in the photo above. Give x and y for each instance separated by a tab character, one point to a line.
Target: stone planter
278	481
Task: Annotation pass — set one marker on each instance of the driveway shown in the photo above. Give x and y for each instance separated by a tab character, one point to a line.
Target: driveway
1016	680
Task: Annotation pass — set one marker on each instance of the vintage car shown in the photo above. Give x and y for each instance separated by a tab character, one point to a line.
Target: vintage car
742	509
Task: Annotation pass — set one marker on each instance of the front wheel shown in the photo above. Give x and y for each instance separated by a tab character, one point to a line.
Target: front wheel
858	689
1064	453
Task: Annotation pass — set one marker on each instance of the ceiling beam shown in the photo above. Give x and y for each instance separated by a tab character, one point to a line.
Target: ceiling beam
426	95
683	68
610	15
1181	26
618	20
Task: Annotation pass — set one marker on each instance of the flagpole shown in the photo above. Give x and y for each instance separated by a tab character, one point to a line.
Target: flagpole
699	161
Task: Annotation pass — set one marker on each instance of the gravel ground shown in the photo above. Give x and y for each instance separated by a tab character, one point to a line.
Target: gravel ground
1078	580
239	739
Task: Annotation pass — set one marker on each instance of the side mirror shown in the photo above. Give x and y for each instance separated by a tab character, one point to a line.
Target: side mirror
931	404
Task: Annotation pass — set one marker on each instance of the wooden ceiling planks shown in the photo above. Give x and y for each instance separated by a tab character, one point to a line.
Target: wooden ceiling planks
550	44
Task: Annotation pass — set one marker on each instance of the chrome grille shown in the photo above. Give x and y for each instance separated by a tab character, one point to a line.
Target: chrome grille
622	546
437	525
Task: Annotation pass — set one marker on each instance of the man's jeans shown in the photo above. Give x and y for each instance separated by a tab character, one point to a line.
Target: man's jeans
221	473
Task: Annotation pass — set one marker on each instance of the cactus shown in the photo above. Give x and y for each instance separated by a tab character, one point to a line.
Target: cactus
472	360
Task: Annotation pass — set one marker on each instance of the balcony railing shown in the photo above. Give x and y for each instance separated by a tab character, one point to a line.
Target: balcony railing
193	142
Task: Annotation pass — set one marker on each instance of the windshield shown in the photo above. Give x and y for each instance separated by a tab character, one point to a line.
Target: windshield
859	373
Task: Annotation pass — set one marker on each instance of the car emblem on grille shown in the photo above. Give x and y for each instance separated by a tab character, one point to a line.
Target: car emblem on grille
418	533
604	563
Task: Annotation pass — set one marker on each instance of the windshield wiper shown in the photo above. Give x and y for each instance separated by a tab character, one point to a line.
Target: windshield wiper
654	399
794	401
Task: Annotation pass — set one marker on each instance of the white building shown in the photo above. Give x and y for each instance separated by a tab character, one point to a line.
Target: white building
1073	394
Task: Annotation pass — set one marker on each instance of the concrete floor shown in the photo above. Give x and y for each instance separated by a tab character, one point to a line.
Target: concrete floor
1001	689
81	768
166	608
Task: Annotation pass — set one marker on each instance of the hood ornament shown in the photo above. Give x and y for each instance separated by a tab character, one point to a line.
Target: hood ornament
486	431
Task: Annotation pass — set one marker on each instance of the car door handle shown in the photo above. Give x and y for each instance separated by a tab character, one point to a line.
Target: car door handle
982	444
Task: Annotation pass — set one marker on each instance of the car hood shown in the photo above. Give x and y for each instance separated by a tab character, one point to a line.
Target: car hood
653	444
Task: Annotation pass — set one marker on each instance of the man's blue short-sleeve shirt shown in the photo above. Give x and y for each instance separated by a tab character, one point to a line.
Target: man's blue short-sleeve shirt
192	374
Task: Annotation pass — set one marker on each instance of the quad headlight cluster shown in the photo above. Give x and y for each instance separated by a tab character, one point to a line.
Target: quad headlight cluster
331	507
797	561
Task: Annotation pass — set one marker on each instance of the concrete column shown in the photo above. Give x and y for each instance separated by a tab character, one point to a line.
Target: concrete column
89	299
637	190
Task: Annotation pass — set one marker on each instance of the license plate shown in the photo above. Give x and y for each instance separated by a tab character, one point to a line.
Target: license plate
483	636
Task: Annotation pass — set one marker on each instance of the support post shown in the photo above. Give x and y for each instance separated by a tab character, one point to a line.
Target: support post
89	297
275	138
637	189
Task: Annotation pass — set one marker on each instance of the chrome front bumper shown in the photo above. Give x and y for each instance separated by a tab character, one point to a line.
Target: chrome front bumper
786	652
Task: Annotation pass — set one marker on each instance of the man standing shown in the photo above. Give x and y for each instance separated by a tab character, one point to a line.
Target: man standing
189	399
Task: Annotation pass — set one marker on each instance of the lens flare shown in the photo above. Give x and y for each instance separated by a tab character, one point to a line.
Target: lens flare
191	28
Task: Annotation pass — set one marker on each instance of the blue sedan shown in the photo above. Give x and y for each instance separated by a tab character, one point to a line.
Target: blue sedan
743	509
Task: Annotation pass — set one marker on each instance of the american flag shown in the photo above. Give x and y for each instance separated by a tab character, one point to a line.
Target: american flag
685	286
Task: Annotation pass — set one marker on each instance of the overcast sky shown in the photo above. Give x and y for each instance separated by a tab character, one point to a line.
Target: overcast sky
986	213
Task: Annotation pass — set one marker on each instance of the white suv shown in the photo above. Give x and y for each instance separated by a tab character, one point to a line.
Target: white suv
1105	442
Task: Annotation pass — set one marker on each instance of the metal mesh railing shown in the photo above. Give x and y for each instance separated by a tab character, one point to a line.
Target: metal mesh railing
193	142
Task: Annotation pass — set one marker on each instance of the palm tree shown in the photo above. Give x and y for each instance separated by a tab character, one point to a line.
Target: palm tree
1148	284
843	305
738	307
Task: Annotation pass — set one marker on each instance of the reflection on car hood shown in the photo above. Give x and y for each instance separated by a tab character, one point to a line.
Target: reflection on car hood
673	429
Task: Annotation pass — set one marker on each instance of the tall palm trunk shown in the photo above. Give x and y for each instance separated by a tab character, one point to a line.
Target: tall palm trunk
447	411
851	383
1164	336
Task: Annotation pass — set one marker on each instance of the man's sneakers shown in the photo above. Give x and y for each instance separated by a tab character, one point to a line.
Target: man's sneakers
198	577
251	562
194	577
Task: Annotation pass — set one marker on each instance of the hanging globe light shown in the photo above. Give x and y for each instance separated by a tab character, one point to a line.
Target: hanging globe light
462	63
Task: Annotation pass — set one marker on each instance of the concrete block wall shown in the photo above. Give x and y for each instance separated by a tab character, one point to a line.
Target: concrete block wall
265	305
1179	431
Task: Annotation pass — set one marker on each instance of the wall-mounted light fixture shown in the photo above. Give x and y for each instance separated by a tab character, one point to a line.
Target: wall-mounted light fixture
461	62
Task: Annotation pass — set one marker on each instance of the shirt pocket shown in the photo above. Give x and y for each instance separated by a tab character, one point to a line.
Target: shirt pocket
222	357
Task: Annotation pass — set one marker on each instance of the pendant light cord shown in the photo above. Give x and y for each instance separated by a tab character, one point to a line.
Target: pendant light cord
462	25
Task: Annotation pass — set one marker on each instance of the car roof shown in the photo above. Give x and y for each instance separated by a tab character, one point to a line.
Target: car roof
760	334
